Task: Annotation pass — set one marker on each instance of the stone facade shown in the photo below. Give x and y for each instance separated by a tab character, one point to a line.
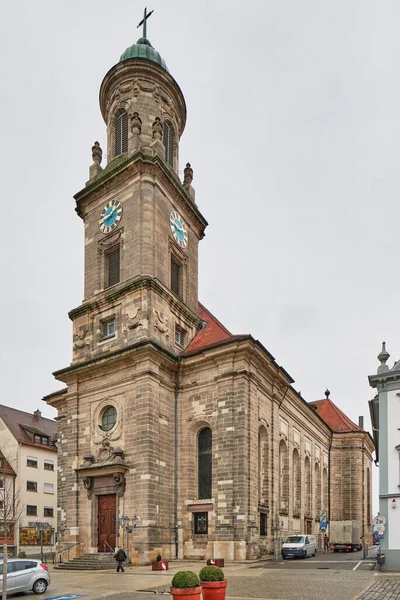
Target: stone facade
137	399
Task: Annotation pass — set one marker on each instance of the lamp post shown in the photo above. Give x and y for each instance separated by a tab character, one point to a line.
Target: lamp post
124	523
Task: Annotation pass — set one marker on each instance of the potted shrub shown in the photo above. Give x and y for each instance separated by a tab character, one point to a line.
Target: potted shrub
185	585
216	562
213	584
159	564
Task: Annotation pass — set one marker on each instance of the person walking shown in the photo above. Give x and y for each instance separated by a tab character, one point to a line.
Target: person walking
120	556
326	543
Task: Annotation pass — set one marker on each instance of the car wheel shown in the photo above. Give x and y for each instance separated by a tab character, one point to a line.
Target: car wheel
305	553
283	557
40	586
315	552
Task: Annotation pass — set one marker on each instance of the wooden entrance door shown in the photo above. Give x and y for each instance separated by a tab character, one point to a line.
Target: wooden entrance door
107	520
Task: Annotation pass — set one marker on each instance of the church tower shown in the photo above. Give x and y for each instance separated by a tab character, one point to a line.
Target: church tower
140	309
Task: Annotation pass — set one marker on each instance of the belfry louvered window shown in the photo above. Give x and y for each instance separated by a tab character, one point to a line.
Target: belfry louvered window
121	132
176	275
205	463
113	267
168	142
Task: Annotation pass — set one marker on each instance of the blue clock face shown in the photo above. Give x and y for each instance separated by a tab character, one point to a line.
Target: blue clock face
178	229
110	216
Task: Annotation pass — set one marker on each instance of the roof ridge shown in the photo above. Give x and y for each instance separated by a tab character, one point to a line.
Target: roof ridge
215	318
24	412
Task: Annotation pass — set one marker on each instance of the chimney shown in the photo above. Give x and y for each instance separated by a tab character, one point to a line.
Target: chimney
361	422
37	413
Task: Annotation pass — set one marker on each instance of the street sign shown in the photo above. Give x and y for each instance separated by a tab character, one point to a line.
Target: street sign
322	515
322	524
379	527
379	520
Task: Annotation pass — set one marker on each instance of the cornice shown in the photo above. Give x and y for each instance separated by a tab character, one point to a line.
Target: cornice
98	361
140	282
121	169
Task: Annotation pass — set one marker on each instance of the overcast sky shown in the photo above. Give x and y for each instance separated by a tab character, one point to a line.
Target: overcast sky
293	133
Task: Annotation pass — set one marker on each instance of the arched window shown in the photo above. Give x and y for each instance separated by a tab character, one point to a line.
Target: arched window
168	136
205	463
307	487
262	466
317	473
283	478
296	482
121	132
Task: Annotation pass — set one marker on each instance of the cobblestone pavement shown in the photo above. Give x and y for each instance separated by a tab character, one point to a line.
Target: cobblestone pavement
382	590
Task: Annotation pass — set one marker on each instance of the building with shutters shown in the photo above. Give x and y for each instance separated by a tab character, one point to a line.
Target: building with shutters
28	477
385	416
166	416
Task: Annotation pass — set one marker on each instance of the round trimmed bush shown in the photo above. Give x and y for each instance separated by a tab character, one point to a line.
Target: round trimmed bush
211	573
185	579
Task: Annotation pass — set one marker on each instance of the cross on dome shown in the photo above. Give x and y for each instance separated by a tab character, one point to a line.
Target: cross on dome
143	22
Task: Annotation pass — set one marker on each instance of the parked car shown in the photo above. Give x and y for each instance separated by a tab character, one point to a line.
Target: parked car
301	545
25	575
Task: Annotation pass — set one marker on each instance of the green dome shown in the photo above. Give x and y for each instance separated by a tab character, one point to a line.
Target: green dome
143	49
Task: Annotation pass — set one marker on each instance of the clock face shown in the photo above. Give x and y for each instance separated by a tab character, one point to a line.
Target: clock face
110	216
178	229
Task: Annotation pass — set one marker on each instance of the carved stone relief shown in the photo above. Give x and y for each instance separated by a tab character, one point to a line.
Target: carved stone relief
160	322
133	322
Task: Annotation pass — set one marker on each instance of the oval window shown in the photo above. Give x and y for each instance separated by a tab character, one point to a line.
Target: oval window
109	418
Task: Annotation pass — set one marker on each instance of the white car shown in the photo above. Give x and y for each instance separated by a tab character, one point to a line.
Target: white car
24	575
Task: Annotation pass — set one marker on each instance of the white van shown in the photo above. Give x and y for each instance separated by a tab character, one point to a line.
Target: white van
302	545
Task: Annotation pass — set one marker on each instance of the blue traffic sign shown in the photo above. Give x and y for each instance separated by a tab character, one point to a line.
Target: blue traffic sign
323	524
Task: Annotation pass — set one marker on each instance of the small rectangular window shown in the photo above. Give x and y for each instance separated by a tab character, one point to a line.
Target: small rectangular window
49	465
31	461
31	486
179	336
109	328
48	511
49	488
1	504
263	524
176	277
31	510
1	484
112	267
200	523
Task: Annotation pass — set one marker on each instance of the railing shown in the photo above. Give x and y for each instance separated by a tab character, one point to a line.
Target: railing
105	545
60	553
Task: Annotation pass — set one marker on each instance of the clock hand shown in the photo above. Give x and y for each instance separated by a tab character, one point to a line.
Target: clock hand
108	215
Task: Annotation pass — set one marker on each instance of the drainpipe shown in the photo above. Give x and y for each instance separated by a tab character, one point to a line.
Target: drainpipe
176	456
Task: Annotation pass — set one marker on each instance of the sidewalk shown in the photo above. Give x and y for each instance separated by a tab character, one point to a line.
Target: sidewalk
384	589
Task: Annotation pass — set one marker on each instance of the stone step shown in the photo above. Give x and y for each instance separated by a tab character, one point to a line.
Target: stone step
89	562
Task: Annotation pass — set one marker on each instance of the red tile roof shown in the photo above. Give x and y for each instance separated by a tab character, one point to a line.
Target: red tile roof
212	333
24	425
334	417
5	467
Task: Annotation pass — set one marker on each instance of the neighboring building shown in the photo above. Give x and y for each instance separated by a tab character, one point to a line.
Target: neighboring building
385	417
8	517
28	445
167	416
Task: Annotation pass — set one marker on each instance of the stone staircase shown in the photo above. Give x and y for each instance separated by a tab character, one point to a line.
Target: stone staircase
89	562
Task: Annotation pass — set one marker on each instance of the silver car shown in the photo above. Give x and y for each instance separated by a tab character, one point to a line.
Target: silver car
24	575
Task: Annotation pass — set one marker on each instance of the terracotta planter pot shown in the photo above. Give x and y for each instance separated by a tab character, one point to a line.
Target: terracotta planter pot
161	565
213	590
186	593
217	562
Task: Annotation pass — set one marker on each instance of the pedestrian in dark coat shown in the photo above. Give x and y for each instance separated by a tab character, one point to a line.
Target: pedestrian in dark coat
120	557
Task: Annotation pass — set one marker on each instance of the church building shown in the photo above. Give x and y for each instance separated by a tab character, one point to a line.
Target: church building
167	418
